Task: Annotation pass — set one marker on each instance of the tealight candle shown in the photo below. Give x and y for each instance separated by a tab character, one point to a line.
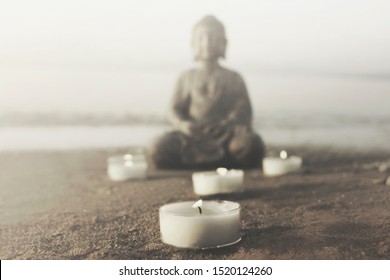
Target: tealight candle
203	224
219	181
273	166
125	167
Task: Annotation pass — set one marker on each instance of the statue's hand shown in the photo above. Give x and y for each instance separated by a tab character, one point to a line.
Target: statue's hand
215	129
188	128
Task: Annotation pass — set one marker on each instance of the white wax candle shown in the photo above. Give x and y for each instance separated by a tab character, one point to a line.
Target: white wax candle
219	181
274	166
122	168
213	224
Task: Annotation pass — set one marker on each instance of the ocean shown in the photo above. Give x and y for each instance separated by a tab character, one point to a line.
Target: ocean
99	109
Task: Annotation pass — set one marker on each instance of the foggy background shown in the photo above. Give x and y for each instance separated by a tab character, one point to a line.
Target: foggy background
308	65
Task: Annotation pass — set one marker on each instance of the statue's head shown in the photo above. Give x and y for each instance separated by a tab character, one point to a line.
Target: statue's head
208	39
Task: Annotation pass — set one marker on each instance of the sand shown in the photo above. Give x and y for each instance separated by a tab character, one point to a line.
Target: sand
62	205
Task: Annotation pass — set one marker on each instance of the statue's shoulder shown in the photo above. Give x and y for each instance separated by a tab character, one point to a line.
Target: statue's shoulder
186	76
231	75
187	73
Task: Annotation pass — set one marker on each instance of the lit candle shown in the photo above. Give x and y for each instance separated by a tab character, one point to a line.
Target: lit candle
203	224
274	166
219	181
125	167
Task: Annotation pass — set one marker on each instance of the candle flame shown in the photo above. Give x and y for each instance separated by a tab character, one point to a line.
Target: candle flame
198	204
222	171
128	157
283	154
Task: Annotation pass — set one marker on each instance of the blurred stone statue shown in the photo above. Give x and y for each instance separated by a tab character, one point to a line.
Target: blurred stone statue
210	111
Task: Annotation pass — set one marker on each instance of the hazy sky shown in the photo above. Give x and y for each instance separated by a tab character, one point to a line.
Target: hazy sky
61	38
324	34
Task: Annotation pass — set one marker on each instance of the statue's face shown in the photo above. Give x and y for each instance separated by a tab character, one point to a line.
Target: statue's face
208	43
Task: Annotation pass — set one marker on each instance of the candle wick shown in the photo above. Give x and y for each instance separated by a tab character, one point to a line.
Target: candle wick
200	210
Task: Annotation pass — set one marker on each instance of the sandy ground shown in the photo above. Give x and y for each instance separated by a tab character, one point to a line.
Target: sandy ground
62	205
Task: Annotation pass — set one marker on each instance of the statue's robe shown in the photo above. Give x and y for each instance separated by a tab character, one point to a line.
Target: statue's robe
218	105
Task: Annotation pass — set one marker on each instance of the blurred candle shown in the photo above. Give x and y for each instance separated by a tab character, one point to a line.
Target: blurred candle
274	166
201	224
220	181
125	167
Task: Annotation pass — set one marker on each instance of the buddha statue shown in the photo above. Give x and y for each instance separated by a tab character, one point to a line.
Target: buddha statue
210	111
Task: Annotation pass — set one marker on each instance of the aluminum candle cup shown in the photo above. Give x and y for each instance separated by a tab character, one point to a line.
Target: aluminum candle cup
217	182
214	224
126	167
274	166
